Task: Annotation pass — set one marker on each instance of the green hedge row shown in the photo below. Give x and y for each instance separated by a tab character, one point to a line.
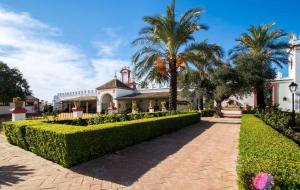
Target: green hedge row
69	145
263	149
281	121
208	112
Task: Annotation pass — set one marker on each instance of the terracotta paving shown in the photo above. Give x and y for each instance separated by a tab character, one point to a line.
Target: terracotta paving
202	156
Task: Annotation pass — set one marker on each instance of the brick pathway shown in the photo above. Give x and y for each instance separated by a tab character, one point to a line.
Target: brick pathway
201	156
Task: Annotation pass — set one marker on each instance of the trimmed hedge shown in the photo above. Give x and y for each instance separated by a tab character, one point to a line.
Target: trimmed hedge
281	121
68	145
208	112
263	149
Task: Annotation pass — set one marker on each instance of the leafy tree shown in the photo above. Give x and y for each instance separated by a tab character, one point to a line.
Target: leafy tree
12	84
48	108
195	82
227	82
166	47
259	48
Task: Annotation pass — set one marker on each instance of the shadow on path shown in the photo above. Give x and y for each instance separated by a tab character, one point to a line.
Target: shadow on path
11	174
128	165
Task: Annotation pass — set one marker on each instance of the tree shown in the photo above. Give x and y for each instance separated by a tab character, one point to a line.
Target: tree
12	84
262	47
254	74
226	82
167	47
195	82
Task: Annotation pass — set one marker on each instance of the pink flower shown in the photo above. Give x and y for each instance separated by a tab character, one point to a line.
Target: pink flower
263	181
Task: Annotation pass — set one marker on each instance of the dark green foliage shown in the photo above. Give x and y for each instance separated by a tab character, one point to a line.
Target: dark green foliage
256	52
263	149
281	121
12	84
208	113
15	132
69	145
48	108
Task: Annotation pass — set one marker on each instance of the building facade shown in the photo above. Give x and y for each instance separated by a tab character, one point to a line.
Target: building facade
117	96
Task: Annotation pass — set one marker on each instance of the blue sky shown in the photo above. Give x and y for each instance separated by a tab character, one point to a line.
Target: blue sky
91	39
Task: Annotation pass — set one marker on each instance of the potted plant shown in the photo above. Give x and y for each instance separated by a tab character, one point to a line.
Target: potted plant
77	104
18	102
163	106
134	107
151	109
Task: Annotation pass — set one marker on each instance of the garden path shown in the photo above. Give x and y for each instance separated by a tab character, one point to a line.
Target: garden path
201	156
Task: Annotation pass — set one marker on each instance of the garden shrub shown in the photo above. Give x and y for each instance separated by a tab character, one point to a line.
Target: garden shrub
263	149
69	145
281	121
208	113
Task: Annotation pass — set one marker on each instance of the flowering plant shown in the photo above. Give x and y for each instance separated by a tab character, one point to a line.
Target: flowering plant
263	181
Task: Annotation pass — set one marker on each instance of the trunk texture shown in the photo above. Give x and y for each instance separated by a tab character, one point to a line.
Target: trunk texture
173	86
219	109
201	103
260	96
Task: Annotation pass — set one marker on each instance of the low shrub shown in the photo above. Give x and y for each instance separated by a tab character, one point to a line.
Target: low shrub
69	145
208	113
281	121
263	149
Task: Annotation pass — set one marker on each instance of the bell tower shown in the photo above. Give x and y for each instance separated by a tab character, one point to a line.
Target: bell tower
126	77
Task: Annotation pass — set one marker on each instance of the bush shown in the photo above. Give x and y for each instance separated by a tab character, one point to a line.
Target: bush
281	121
263	149
208	113
69	145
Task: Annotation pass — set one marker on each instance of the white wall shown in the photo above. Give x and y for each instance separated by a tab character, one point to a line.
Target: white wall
4	110
284	93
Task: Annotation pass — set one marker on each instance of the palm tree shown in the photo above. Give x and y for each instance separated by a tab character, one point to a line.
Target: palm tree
265	46
167	47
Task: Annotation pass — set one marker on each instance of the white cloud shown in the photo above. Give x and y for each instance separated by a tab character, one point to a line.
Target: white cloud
110	46
49	65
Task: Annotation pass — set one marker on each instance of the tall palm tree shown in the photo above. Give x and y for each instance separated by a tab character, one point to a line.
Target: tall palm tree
166	47
264	45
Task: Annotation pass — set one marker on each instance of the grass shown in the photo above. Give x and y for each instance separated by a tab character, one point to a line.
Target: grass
263	149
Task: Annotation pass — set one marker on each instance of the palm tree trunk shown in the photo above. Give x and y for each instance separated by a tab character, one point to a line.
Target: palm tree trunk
173	86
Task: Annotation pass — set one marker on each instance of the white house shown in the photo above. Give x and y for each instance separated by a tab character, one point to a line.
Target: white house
117	96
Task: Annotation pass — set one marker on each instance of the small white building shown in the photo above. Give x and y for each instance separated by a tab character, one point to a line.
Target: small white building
117	96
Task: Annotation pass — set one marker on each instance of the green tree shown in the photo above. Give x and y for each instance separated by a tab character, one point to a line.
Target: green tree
195	82
261	47
12	84
226	82
166	47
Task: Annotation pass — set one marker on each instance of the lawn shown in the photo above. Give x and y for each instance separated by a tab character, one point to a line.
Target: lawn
263	149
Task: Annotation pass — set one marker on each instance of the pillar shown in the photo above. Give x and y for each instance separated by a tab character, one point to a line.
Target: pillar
87	107
18	114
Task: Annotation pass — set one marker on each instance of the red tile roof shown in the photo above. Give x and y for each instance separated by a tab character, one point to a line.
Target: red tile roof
115	83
